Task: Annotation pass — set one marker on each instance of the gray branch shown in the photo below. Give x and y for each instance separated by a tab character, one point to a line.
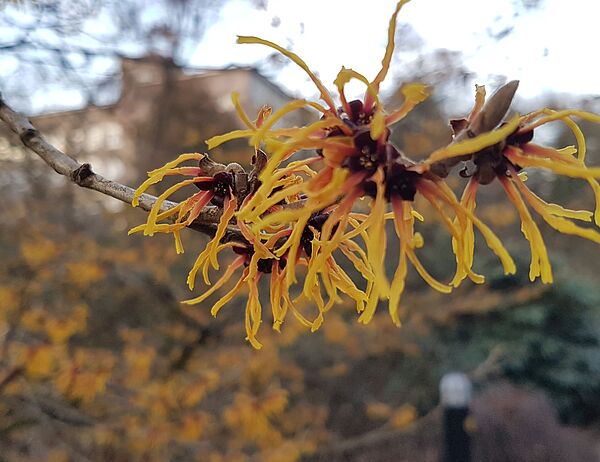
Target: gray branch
82	175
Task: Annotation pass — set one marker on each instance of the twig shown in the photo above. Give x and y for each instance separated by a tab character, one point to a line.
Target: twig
395	444
82	175
10	376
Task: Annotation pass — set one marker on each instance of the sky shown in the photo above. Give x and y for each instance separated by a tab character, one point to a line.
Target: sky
549	49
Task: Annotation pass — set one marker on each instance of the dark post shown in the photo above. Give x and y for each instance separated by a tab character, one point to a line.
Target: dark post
455	396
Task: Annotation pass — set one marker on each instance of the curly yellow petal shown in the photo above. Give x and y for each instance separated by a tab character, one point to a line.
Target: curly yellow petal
296	59
476	144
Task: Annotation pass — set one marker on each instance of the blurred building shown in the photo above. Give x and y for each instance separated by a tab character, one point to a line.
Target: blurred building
160	110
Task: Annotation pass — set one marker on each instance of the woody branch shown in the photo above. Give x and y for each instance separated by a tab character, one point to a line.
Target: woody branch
84	176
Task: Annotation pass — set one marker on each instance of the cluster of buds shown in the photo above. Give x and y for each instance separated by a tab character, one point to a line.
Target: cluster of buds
286	213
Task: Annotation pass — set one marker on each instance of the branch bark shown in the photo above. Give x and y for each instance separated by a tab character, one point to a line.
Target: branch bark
82	175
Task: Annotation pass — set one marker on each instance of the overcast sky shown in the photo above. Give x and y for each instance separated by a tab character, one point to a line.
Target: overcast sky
551	48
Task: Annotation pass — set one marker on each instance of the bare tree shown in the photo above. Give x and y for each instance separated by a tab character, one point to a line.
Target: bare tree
77	45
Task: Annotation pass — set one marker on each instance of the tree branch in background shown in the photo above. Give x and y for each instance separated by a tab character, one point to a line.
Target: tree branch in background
82	175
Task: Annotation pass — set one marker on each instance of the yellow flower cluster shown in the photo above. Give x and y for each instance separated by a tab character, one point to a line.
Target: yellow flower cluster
303	212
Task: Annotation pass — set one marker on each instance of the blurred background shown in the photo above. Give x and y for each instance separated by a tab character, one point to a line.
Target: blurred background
100	362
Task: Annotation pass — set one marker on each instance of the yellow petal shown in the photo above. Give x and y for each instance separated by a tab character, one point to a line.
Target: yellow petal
540	264
414	93
397	287
389	50
229	295
473	145
296	59
235	99
222	280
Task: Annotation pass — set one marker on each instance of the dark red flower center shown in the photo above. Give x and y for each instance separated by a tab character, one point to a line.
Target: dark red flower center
221	185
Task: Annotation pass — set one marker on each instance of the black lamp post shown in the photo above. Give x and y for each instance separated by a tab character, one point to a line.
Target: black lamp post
455	395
